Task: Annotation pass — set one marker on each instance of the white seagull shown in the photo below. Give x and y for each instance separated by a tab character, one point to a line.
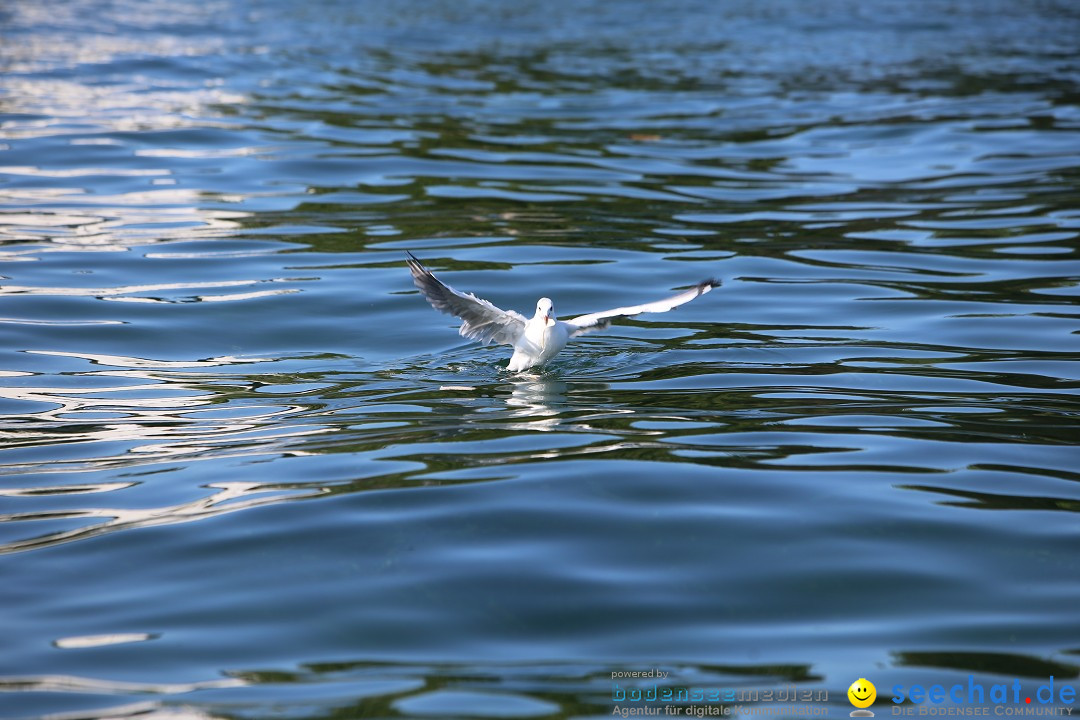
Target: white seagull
537	340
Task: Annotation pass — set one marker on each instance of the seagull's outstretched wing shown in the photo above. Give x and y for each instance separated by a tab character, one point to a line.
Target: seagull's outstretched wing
600	320
481	320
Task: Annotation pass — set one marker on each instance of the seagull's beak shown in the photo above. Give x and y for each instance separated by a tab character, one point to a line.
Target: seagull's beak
548	321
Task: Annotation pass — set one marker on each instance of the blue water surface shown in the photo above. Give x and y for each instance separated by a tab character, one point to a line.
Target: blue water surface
248	472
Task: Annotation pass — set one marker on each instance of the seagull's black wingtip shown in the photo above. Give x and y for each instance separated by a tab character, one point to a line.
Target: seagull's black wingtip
415	265
707	284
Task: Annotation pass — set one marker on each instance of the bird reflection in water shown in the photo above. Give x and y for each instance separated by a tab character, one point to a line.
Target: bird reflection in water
539	398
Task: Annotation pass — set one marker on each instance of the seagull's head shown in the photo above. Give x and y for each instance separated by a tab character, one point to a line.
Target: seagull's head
545	309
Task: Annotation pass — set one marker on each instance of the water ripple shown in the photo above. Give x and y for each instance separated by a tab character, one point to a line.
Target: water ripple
246	470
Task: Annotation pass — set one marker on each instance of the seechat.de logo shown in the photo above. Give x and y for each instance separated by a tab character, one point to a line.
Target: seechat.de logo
862	695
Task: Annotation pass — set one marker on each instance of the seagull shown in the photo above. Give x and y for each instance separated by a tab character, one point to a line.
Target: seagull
535	340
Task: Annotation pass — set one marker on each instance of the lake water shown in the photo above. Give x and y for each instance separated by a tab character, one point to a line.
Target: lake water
247	471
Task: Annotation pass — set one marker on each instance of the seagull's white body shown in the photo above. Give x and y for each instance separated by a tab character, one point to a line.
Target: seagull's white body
535	340
541	340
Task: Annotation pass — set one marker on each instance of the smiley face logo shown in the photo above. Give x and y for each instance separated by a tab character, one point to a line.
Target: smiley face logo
862	693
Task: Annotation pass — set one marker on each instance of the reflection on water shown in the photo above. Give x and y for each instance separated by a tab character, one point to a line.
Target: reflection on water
226	498
245	470
536	397
149	414
326	689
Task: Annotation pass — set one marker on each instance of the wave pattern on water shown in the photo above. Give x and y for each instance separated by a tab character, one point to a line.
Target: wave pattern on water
246	470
